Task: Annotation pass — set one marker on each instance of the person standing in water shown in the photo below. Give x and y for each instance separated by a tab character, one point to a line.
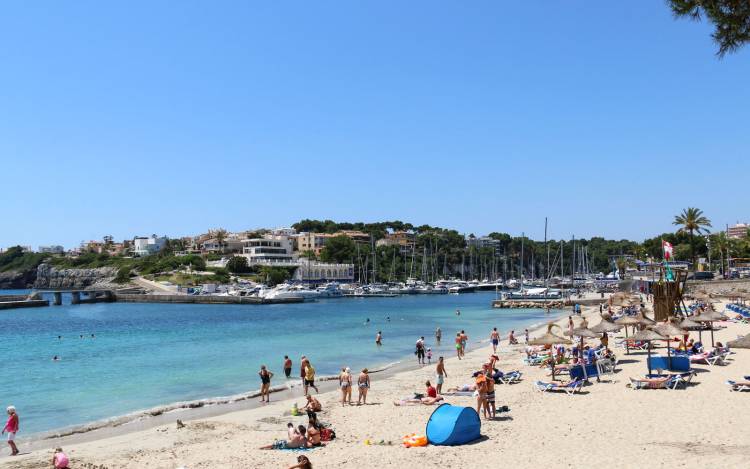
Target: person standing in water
11	426
495	338
379	338
438	335
440	374
287	366
265	383
420	350
458	345
464	340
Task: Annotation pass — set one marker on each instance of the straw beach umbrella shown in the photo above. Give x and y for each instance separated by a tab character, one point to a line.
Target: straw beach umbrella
604	327
709	318
689	325
743	342
626	321
647	335
550	339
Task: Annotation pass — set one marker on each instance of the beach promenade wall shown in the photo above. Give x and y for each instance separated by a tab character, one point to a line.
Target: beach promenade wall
718	286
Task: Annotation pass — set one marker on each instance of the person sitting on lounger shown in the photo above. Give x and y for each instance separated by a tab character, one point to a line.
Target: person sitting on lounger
297	439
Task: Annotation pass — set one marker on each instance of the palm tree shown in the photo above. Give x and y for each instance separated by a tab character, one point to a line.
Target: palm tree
692	221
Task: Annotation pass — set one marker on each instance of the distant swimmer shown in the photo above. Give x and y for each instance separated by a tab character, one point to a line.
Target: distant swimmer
93	336
55	358
59	337
379	338
388	318
458	312
367	321
81	336
438	335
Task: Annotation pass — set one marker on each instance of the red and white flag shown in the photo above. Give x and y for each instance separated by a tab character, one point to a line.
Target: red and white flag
667	250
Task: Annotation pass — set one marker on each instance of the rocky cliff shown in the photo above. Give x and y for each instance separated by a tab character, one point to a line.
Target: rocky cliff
50	277
17	280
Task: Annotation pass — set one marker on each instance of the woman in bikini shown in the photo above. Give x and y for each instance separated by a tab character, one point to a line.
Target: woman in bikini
363	385
345	382
265	384
458	345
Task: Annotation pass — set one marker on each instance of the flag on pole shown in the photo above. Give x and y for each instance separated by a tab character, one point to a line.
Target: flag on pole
667	247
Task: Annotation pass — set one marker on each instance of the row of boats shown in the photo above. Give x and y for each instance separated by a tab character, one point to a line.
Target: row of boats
511	289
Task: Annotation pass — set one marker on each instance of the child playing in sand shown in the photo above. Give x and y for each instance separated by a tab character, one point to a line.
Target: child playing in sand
60	459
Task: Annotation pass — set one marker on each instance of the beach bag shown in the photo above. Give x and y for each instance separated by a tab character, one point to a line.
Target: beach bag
327	434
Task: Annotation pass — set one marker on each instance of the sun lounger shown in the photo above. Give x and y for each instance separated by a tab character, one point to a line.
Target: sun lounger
459	393
570	388
739	385
651	383
511	377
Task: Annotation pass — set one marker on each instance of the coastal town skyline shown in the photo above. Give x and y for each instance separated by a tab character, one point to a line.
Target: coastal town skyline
164	123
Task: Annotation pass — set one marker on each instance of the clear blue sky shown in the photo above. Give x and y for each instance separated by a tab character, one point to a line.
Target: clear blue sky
174	117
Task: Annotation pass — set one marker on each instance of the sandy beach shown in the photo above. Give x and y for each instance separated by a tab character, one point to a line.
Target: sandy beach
606	424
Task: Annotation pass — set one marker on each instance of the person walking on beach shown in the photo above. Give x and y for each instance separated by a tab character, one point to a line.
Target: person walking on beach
287	366
420	350
490	396
345	383
438	335
526	335
570	326
379	338
265	383
11	426
440	375
310	377
363	385
495	338
458	345
302	368
464	339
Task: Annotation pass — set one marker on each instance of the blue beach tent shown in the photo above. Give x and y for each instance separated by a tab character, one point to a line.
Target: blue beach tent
450	425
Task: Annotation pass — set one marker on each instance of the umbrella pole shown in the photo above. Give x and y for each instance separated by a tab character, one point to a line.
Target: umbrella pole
627	344
648	360
669	355
712	334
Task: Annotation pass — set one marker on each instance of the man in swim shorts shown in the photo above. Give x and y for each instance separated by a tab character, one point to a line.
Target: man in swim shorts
441	374
495	338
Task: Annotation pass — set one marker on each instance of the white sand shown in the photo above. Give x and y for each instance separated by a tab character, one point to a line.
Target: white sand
608	425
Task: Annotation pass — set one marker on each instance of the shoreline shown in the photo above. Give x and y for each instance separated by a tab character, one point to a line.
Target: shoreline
209	407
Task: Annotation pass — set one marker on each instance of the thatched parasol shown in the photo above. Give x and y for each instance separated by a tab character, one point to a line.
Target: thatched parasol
708	317
628	321
647	335
550	339
743	342
605	326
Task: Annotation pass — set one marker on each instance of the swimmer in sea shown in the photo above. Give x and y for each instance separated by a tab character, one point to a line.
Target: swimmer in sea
55	358
379	338
458	312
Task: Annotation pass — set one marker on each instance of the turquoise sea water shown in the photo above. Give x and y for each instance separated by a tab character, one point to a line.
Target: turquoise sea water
144	355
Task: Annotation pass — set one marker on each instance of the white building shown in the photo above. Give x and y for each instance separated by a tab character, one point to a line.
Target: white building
147	245
738	231
320	272
272	249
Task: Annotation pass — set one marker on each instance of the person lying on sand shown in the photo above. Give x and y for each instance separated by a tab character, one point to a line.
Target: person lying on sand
297	439
432	397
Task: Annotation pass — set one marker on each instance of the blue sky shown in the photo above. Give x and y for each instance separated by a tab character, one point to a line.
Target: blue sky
173	117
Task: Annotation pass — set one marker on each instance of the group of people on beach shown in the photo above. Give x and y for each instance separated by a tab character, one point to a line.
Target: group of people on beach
345	383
